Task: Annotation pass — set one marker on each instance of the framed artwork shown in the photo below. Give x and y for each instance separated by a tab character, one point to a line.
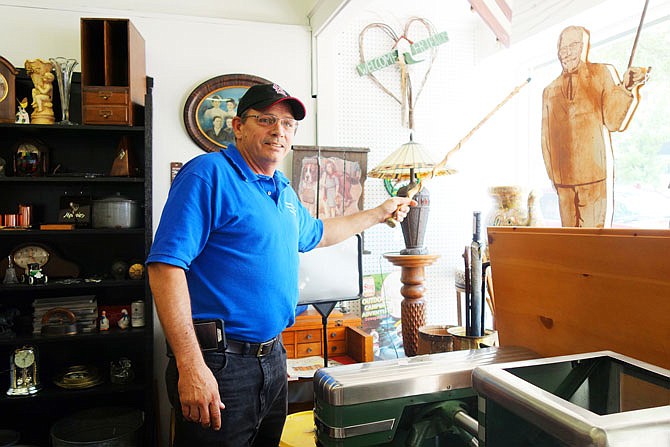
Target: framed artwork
210	107
329	180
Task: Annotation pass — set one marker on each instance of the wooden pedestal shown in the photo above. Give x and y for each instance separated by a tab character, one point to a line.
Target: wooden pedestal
413	306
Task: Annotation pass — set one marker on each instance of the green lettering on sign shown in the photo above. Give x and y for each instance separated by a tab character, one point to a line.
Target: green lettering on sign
427	44
377	63
391	58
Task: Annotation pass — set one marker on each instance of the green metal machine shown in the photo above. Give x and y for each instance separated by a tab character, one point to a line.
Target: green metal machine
409	402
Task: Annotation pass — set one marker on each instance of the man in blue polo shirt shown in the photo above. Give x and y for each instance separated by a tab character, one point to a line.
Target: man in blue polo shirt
227	248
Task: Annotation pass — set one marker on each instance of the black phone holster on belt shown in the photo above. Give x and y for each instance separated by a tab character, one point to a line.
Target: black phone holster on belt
210	334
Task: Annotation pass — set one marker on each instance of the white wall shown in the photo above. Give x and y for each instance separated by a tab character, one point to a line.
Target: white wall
449	105
182	52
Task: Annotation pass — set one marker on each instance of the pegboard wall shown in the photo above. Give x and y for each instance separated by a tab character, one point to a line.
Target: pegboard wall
371	118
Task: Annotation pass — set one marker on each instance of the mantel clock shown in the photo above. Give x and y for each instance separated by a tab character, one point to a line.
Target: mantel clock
7	91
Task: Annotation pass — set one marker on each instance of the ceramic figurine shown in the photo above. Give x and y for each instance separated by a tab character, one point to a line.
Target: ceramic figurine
104	321
40	73
22	116
509	210
124	321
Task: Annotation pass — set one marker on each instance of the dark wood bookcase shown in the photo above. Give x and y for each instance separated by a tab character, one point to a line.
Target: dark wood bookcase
80	158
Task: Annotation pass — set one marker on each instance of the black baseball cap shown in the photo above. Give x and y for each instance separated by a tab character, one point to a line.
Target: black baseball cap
263	96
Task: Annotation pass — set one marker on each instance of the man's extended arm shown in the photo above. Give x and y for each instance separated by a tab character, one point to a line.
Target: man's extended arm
337	229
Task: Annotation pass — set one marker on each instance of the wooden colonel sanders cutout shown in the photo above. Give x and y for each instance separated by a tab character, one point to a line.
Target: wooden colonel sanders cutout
580	110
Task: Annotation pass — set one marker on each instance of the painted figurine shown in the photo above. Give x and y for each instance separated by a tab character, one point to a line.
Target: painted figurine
22	116
104	321
124	321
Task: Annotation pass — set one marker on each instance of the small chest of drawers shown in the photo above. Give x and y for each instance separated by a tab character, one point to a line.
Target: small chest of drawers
305	337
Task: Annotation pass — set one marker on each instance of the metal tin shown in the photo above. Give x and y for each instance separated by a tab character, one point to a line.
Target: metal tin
137	314
25	215
11	220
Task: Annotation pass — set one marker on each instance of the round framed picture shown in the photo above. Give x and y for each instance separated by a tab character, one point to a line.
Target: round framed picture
210	108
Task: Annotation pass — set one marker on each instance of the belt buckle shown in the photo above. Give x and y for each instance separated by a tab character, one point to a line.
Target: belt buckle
262	346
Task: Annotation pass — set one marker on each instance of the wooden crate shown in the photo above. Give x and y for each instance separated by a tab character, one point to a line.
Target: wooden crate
573	290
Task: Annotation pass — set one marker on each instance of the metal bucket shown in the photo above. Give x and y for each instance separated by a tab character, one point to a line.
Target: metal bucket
99	427
464	342
434	339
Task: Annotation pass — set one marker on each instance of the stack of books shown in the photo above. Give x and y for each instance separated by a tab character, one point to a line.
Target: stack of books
84	307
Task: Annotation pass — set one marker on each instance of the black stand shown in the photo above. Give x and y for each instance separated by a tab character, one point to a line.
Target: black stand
324	310
325	304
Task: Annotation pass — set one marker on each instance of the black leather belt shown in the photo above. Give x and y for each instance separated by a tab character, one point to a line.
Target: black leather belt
255	349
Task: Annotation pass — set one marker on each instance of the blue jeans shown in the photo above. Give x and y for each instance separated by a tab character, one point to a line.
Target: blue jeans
254	391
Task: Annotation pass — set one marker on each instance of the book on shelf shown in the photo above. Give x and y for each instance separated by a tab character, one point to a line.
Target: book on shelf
57	226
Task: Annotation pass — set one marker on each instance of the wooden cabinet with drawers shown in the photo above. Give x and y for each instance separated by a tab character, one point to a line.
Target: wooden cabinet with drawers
345	337
113	70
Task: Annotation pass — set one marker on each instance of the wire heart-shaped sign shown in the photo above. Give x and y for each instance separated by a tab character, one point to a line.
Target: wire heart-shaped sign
402	55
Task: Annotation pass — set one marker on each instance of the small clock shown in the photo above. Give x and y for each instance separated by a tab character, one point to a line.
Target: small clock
24	255
23	374
32	256
136	271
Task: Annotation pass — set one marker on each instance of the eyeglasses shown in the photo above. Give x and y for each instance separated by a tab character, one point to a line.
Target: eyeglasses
271	120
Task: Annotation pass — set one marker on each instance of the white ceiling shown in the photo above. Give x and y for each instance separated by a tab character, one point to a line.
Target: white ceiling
293	12
529	17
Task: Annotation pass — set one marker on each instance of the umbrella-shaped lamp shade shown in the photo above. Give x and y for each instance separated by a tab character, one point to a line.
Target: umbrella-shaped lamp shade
410	155
409	162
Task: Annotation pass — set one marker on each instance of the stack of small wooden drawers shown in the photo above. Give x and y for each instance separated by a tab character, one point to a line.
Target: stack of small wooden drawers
113	72
345	337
